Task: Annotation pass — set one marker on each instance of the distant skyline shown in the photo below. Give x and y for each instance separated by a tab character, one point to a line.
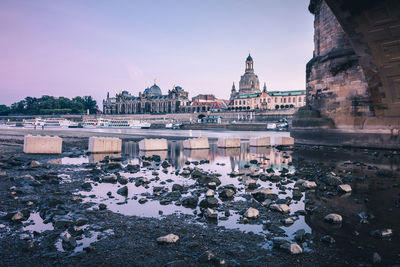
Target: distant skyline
70	48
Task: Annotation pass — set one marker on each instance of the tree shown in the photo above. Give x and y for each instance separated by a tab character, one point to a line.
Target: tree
4	110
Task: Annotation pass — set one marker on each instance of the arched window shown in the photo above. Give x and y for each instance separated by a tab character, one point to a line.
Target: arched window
299	99
289	100
269	100
284	100
294	99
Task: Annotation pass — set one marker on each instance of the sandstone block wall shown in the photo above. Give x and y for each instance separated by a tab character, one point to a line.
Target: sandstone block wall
228	142
153	144
196	143
260	141
104	145
42	144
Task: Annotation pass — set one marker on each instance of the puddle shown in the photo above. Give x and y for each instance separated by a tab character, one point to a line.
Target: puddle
36	224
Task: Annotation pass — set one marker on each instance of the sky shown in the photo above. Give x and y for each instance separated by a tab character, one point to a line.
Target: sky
91	47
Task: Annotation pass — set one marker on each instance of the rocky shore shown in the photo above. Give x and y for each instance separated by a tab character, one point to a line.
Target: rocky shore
321	206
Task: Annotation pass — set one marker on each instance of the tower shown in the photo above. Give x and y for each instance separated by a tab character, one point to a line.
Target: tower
249	64
265	88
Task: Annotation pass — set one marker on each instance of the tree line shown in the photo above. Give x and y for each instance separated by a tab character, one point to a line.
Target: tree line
50	105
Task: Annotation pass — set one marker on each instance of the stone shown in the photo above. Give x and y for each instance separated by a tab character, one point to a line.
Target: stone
142	200
62	221
68	242
228	142
34	164
153	144
328	239
283	141
102	206
104	145
17	217
168	239
262	194
344	188
211	214
227	193
287	221
196	143
87	186
209	202
251	213
260	141
210	193
109	179
309	185
333	218
190	202
332	180
35	144
292	248
123	191
284	208
81	220
122	180
177	187
382	233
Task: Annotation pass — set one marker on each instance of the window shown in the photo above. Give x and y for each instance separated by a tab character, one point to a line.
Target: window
276	100
284	100
294	99
269	100
299	99
289	100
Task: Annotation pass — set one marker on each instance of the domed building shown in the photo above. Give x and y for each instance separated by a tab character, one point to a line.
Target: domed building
249	82
151	101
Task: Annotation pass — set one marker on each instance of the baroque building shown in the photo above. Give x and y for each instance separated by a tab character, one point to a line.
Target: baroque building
250	97
151	101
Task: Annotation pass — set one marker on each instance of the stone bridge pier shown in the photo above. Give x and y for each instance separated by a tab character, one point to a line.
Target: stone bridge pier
353	79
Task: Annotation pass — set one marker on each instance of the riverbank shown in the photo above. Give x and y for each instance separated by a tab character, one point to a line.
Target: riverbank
117	222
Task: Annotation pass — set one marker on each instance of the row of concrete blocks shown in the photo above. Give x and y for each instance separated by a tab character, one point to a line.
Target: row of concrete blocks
53	144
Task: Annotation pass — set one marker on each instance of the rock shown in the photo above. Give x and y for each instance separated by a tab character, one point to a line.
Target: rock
185	172
87	186
344	188
296	194
253	161
333	218
207	256
62	221
109	179
34	164
122	180
102	206
142	200
299	235
211	214
212	185
177	187
292	248
309	185
251	183
169	239
123	191
284	208
189	202
17	217
262	194
251	213
226	193
376	258
210	193
332	180
382	233
209	202
287	221
68	242
81	221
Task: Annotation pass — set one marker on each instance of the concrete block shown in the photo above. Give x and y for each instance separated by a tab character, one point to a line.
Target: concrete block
104	145
196	143
36	144
153	144
228	142
260	141
284	141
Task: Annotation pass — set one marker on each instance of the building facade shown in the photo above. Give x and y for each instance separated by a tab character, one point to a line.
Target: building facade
250	97
151	101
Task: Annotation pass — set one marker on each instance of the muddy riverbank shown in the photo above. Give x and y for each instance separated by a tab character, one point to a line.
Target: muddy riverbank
78	209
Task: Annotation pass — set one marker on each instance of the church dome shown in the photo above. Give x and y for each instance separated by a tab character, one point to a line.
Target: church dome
249	58
153	90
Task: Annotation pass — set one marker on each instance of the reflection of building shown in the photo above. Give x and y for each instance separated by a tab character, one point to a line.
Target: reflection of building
250	97
151	101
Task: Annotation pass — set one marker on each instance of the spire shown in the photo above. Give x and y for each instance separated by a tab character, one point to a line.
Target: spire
233	87
265	88
155	80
